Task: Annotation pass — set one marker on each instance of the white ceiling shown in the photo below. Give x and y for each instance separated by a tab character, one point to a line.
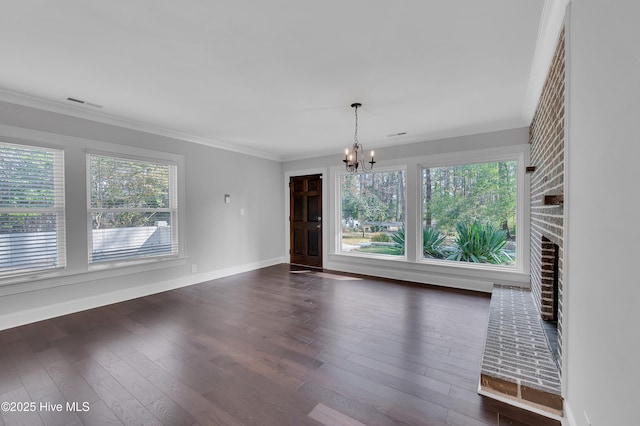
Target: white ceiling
277	77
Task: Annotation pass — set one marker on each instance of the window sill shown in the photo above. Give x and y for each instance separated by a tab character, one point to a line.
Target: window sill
440	263
117	264
391	257
428	271
41	281
43	274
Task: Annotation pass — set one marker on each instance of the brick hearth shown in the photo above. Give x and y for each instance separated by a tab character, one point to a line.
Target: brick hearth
518	364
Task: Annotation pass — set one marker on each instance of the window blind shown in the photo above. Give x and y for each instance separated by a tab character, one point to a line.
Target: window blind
132	209
32	215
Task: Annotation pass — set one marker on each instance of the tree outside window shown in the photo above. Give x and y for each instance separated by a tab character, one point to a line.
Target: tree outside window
469	212
373	213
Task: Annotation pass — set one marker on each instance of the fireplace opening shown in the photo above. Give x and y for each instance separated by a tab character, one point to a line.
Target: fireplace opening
549	294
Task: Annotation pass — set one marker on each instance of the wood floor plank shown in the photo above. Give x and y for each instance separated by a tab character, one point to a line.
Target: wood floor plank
417	385
364	413
9	380
14	415
405	406
128	409
139	387
330	417
38	383
280	397
195	404
63	417
170	413
265	347
72	385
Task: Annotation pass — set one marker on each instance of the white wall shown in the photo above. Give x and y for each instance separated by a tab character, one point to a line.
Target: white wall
218	239
411	156
603	199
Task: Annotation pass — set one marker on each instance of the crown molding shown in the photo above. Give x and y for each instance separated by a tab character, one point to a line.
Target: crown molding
458	132
551	23
101	117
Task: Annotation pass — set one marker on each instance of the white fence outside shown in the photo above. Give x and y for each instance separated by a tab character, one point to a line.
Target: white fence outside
37	250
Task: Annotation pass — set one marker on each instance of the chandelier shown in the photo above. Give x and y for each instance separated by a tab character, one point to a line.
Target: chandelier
355	160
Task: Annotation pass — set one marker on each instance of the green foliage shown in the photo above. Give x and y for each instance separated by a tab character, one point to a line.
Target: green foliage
480	243
431	241
350	205
127	184
470	192
431	238
373	197
27	185
398	237
29	173
380	238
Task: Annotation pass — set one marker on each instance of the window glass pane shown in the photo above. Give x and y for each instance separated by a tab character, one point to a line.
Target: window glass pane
469	212
27	177
133	209
32	230
122	183
130	235
373	213
28	241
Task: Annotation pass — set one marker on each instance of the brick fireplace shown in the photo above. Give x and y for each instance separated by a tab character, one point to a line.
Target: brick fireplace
522	354
546	136
549	280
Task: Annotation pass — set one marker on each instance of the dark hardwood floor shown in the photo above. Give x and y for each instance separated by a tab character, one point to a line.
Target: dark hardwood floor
269	347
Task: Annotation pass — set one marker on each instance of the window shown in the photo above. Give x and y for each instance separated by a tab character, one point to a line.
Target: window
133	208
469	213
373	213
32	220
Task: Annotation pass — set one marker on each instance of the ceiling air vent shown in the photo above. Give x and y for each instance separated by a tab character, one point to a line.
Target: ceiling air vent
81	102
75	100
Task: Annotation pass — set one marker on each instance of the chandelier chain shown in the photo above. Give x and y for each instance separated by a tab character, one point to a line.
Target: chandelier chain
355	135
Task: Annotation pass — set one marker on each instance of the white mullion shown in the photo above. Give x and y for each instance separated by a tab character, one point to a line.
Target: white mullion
173	205
60	203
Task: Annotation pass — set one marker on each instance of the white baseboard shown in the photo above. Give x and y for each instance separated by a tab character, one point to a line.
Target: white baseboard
459	282
569	419
51	311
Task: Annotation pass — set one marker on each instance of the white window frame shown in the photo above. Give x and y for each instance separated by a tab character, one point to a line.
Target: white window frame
175	209
337	249
517	154
58	209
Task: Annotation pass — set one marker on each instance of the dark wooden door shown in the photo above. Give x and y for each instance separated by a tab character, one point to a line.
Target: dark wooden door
305	220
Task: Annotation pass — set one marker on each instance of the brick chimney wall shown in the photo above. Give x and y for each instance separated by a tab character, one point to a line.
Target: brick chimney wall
546	136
